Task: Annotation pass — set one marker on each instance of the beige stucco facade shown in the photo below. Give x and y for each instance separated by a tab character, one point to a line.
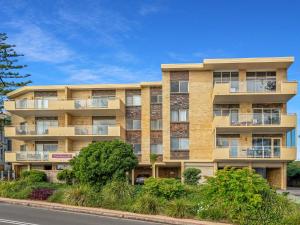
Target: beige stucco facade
206	115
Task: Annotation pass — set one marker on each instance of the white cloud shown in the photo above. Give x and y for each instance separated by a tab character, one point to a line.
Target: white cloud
107	73
148	9
39	45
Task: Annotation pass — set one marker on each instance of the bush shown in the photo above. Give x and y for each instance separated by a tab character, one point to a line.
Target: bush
34	176
191	176
41	194
101	162
148	204
15	189
243	197
168	188
117	195
66	175
57	196
82	195
181	208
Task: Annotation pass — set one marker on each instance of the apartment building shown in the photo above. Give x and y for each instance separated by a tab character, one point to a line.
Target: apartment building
222	112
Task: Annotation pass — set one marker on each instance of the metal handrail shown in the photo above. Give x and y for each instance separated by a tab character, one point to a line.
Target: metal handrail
253	151
255	119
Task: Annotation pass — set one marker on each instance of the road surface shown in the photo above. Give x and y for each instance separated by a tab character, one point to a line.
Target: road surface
24	215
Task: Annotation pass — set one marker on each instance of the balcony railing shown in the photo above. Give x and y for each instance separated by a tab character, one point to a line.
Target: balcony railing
100	102
254	119
33	104
68	131
33	130
256	86
106	102
92	129
267	120
249	152
32	156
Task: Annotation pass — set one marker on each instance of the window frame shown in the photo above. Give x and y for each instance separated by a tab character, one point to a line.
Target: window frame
159	122
180	143
179	86
179	111
130	100
131	122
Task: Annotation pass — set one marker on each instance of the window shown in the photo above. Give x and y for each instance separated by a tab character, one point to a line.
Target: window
155	99
156	124
43	124
181	115
133	124
181	86
261	81
134	100
291	138
228	77
156	149
179	144
46	146
137	149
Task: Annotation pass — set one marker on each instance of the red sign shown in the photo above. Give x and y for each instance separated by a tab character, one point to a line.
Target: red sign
62	156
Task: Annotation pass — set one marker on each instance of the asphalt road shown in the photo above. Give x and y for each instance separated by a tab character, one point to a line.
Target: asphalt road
24	215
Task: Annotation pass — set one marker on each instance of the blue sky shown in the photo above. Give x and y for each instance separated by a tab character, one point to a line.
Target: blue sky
94	41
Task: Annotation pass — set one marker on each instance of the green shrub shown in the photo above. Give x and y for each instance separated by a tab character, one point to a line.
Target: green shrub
148	204
101	162
117	195
168	188
181	208
82	195
34	176
243	197
66	175
15	189
58	196
191	176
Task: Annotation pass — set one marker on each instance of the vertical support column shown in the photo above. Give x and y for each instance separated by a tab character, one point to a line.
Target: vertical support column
120	117
280	76
242	81
283	176
215	167
182	171
250	165
132	177
145	124
28	167
153	170
166	114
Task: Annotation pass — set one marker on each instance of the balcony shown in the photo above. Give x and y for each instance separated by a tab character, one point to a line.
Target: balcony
107	106
255	122
254	92
33	156
255	153
87	132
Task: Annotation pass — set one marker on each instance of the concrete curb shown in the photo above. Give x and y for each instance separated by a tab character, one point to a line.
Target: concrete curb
107	212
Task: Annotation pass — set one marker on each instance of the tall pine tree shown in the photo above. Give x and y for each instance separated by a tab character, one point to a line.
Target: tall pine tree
9	69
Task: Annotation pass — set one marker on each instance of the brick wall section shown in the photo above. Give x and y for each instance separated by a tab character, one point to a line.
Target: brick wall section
179	101
179	75
179	130
156	111
133	112
156	137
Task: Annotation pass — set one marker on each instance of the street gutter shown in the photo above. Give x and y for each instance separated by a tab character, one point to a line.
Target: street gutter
108	212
